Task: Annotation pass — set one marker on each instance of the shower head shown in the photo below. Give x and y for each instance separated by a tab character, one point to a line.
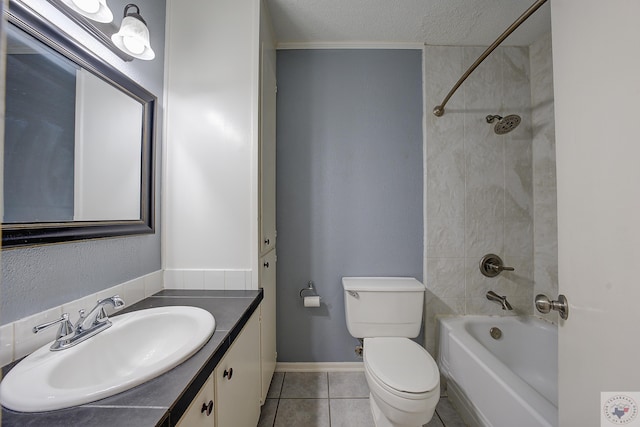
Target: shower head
505	124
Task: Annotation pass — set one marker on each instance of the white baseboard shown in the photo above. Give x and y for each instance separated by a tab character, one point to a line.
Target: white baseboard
319	367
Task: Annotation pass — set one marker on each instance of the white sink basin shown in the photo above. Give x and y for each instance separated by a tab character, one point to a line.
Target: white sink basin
138	347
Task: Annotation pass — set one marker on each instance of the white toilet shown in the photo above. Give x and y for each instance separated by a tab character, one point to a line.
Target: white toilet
403	378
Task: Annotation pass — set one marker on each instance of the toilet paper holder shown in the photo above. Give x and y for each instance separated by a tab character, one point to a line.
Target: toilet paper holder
309	291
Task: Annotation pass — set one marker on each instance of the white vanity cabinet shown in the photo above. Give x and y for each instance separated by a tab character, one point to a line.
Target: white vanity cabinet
237	379
235	383
201	412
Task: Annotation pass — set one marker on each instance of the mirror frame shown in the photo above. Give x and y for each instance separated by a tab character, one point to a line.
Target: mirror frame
35	234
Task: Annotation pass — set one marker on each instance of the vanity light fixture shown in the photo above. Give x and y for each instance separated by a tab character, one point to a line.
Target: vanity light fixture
96	10
133	37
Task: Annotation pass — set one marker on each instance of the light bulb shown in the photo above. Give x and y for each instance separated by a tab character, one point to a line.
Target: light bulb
89	6
133	44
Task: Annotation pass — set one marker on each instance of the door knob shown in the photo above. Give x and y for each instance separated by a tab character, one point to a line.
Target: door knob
544	305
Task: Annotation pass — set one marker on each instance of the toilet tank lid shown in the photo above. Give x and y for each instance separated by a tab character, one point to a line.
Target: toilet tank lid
382	284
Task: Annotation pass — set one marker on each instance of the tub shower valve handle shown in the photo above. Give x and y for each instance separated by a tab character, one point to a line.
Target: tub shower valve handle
491	265
544	305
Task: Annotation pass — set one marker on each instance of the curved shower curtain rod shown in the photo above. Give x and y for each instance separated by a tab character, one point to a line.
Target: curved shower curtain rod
439	110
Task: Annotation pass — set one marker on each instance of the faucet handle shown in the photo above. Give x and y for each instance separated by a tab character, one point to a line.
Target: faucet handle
82	313
102	315
65	329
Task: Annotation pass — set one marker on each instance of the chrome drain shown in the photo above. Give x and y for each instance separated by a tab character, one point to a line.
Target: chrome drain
495	332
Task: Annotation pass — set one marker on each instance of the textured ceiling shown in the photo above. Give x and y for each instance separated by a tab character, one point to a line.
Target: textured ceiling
434	22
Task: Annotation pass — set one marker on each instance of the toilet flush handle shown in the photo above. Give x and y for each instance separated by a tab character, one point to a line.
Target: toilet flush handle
353	294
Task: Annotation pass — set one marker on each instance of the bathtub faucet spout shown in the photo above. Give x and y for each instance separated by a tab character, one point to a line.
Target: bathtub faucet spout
492	296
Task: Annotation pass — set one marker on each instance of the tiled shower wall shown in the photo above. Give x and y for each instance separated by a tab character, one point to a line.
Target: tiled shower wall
479	185
545	218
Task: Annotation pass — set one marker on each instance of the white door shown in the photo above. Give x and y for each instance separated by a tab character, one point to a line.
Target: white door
596	60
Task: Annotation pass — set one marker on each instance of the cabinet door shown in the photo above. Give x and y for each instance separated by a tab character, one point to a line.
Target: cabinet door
201	411
237	379
267	149
267	320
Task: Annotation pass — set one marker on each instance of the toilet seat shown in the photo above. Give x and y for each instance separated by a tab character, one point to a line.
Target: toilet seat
401	366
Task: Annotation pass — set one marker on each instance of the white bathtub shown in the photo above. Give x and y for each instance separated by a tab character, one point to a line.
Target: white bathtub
512	381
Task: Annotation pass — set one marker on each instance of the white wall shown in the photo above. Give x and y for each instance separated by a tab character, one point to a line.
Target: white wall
597	88
210	176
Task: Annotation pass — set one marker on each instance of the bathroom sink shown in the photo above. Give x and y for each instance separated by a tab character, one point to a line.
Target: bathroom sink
138	346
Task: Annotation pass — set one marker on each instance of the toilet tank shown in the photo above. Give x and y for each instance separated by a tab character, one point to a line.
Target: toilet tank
383	306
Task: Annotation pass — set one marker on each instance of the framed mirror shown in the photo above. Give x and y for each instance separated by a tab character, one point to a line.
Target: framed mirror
79	141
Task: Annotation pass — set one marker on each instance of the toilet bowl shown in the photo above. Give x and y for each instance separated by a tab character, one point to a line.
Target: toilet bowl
404	382
403	378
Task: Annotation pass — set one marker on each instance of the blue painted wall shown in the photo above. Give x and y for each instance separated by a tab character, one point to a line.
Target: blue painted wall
349	186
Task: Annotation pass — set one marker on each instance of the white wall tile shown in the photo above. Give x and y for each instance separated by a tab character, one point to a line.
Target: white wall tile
6	344
443	67
214	279
445	277
25	341
484	235
133	291
234	280
497	178
518	237
174	279
445	237
153	283
193	279
483	89
515	79
248	276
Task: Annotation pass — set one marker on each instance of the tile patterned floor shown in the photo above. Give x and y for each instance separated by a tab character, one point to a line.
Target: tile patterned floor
330	399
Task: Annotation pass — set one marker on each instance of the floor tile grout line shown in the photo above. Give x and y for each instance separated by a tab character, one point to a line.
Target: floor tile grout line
328	401
439	417
275	415
329	398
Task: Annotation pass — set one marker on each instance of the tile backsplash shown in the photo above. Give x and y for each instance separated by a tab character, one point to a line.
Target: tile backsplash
18	340
208	279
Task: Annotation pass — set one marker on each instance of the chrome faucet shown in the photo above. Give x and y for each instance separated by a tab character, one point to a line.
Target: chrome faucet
492	296
87	326
97	316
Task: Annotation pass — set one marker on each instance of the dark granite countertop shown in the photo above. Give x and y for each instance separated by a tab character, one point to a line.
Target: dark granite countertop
162	400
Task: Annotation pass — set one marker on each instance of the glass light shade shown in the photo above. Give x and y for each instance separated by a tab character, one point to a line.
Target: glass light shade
133	38
96	10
